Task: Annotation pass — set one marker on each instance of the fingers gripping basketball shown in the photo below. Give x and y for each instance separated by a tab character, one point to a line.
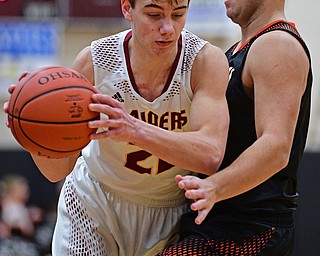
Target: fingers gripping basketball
48	111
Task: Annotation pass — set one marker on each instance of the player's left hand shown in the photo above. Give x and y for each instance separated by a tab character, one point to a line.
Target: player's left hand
201	191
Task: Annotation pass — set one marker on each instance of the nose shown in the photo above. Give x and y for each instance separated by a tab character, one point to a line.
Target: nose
166	26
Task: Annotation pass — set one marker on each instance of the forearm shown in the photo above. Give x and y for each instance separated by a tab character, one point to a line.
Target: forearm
194	150
263	159
55	169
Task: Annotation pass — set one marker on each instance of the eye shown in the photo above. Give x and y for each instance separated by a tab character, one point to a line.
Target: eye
153	14
178	15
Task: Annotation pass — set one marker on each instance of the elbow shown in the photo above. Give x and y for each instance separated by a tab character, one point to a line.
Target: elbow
54	178
212	163
55	169
282	156
55	175
279	152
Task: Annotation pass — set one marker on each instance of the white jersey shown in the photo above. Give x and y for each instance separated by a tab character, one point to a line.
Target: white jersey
125	167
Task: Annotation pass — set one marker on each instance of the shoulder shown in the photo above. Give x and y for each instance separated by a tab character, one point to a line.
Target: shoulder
277	58
211	58
280	50
200	48
192	45
83	64
279	45
210	69
210	51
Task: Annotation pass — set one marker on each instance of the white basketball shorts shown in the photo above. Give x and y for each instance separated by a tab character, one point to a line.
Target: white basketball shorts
92	220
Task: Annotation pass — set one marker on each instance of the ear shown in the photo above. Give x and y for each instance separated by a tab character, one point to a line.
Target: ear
126	10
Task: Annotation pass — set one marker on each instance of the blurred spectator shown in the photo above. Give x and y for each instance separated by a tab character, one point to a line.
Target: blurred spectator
15	212
19	218
5	231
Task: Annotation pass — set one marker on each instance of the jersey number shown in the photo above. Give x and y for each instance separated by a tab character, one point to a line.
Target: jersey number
134	158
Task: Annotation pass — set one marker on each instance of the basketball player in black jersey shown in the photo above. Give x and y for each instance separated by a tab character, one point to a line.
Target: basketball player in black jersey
246	208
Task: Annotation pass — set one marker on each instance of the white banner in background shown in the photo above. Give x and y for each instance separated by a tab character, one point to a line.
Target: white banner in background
208	18
26	46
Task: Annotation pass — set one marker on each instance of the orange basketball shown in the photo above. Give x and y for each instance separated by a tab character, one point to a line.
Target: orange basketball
48	112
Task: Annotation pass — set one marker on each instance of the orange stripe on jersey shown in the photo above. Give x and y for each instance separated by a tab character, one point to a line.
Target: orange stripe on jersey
262	29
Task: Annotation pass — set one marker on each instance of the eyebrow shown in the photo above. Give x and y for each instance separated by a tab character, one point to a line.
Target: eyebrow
159	7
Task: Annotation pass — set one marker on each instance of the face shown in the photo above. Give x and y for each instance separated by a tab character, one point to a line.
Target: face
243	12
156	24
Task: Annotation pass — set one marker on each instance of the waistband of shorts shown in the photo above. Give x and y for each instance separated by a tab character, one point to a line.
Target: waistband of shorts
141	199
275	219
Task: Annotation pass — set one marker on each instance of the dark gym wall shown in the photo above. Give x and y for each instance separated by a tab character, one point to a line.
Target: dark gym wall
307	216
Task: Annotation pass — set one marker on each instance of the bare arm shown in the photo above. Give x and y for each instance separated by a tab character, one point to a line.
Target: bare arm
279	83
200	150
55	169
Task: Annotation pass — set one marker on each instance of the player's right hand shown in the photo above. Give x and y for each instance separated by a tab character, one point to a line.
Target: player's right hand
11	90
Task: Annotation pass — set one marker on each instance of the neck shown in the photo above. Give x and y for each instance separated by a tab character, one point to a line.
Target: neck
151	71
150	64
250	29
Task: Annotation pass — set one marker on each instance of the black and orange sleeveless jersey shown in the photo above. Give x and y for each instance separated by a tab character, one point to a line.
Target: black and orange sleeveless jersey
260	221
274	199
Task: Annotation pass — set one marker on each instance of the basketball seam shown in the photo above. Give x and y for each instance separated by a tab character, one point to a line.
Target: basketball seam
44	93
50	122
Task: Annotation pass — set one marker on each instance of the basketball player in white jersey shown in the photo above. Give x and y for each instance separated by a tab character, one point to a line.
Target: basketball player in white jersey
161	95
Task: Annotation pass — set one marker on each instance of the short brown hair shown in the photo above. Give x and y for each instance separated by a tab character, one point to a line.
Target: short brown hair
133	2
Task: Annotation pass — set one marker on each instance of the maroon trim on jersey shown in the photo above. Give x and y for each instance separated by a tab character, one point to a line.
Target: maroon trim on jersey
130	73
174	66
